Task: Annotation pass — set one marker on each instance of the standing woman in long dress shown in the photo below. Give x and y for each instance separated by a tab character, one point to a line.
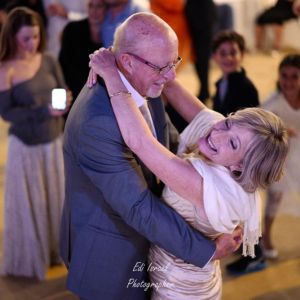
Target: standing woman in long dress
34	178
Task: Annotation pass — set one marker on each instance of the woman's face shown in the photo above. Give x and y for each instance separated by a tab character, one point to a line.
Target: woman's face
226	144
96	11
28	39
289	81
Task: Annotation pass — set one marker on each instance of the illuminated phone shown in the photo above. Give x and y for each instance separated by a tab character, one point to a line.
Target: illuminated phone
59	99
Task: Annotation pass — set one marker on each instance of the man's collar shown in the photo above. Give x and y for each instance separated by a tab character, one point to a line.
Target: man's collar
138	98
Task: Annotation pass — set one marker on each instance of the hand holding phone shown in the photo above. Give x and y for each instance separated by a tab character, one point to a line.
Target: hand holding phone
59	99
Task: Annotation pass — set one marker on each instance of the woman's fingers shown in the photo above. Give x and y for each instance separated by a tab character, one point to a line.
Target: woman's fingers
92	78
100	62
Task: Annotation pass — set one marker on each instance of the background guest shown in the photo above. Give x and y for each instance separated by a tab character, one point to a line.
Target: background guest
117	12
285	194
296	8
274	16
59	13
34	179
201	17
37	5
73	58
174	14
2	14
234	90
225	17
285	102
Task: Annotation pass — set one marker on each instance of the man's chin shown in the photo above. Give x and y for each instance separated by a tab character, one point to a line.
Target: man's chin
154	94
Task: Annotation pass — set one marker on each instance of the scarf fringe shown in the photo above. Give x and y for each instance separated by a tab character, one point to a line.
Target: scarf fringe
249	241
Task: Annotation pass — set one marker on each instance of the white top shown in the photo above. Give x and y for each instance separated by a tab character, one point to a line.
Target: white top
289	184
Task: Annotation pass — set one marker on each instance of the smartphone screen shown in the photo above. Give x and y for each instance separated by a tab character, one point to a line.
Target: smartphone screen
59	99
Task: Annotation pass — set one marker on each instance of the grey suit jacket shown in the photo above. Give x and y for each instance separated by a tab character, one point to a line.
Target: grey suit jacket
109	214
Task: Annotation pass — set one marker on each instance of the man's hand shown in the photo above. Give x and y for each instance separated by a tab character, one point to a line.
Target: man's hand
228	243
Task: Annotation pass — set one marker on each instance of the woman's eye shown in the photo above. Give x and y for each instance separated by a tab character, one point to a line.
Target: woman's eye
233	145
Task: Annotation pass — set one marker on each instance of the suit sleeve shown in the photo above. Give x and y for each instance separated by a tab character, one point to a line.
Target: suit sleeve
111	166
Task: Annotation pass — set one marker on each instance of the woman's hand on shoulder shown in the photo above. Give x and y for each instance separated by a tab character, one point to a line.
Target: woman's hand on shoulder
102	63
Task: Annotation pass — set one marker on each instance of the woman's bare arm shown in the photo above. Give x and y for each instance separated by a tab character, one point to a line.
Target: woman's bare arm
6	74
176	173
186	104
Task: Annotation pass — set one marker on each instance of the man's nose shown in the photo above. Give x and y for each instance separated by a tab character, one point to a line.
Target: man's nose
170	75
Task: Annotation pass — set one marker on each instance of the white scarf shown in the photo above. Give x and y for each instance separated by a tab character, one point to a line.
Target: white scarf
226	204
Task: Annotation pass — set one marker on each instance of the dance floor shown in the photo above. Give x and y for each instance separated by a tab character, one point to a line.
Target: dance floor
279	281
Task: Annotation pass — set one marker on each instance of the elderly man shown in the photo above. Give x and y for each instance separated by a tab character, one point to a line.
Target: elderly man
110	215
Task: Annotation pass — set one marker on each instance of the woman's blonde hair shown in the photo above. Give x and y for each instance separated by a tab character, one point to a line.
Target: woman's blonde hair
265	155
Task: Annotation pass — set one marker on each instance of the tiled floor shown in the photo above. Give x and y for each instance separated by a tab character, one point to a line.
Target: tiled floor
280	281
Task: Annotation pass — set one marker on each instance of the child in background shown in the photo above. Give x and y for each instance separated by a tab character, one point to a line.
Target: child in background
234	89
285	194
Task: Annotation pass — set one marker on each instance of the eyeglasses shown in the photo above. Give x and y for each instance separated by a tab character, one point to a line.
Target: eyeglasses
161	70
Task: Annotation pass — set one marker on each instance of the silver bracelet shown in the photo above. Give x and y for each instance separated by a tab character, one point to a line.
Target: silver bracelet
119	93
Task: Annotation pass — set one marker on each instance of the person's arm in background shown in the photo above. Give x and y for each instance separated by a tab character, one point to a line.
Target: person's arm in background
59	9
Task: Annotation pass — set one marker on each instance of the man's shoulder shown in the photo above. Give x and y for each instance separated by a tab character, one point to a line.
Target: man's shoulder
91	111
92	101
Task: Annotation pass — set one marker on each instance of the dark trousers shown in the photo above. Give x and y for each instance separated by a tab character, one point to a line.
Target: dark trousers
201	17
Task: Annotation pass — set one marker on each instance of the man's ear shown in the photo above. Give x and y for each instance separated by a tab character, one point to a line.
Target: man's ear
125	63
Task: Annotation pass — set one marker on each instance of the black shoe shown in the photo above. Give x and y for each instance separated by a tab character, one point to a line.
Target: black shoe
246	265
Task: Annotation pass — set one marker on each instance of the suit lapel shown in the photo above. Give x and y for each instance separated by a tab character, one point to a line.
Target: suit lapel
156	108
